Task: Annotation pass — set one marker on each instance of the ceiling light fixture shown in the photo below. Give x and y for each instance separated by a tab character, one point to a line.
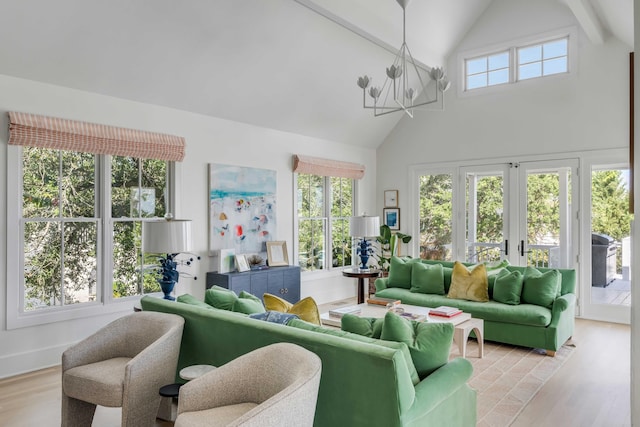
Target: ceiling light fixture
397	92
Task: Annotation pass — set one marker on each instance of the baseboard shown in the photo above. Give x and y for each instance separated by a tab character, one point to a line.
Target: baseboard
33	360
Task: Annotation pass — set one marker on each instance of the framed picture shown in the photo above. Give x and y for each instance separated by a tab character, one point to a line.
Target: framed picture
277	254
226	260
241	263
391	218
391	198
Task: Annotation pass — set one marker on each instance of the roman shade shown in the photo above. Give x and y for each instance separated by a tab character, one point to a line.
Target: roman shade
62	134
327	167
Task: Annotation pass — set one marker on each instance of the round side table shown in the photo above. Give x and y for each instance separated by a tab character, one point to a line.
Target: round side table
360	275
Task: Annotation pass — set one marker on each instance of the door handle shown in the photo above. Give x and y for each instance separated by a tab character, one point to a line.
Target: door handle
521	247
506	247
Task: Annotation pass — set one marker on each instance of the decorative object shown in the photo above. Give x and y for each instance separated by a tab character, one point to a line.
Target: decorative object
256	262
364	226
277	254
242	208
389	245
171	237
405	86
226	260
241	263
306	309
391	198
392	218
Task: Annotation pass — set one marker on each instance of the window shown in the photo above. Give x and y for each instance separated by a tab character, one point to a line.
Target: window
518	61
324	206
63	226
487	70
542	59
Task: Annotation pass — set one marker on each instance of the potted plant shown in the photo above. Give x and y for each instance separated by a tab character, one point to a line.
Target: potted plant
389	243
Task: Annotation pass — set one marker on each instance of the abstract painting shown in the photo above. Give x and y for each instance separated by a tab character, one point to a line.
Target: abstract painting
242	208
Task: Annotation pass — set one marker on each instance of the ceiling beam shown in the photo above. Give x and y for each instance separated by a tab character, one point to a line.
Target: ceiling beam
588	19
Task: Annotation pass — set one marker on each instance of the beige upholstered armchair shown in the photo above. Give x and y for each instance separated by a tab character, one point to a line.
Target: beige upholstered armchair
276	385
123	364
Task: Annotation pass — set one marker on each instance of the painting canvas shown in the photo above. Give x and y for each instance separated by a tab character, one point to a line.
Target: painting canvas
242	208
226	261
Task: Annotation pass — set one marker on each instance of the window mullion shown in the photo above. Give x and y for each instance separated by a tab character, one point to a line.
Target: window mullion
105	262
328	244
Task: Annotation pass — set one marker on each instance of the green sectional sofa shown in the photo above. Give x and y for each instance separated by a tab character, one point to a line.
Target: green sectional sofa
523	324
365	382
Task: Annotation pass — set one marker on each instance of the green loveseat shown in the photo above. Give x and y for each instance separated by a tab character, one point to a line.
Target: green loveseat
362	384
526	325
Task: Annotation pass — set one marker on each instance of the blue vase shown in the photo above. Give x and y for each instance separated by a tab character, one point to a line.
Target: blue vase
167	288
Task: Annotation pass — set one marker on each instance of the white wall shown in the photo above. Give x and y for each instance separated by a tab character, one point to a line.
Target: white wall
209	140
584	111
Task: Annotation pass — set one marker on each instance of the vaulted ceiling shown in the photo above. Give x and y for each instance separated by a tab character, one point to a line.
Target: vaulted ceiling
289	65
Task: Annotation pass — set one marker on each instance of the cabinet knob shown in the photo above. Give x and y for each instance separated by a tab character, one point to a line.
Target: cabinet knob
286	290
281	291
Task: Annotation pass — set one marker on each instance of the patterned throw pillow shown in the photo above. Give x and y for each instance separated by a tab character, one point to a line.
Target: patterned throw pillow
469	285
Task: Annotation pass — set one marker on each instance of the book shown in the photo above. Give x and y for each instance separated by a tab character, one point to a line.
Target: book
383	301
339	312
413	316
445	311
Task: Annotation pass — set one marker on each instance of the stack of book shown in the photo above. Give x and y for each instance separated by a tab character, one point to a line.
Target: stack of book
383	301
445	311
339	312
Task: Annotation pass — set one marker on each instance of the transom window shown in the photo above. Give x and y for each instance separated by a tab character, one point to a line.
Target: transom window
487	70
543	59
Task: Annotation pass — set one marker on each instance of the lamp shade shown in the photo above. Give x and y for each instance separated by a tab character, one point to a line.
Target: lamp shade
166	236
364	226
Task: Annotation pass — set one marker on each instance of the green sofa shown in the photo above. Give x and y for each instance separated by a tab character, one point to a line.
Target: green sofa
362	384
526	325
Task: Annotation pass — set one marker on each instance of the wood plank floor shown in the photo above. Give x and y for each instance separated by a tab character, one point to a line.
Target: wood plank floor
591	389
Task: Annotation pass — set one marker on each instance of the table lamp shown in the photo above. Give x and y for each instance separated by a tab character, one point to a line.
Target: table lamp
171	237
364	226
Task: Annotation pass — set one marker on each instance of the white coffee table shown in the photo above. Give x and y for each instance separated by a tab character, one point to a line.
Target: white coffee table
464	324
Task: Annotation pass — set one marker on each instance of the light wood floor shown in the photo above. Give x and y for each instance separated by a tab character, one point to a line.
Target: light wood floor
591	389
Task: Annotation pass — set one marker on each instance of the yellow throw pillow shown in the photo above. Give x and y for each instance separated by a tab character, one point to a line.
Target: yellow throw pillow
306	309
470	285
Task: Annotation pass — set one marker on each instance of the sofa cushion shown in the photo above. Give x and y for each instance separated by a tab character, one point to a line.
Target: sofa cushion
191	300
399	273
429	343
540	288
301	324
248	304
508	287
366	326
219	297
469	285
305	309
427	278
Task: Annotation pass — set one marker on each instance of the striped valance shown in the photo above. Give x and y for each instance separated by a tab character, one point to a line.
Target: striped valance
62	134
326	167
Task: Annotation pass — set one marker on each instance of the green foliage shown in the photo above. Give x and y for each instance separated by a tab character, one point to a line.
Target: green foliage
389	245
436	210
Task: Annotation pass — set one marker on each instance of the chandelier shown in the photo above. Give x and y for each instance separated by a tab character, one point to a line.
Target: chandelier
405	87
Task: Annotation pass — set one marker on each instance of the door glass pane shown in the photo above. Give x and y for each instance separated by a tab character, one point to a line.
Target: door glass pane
484	215
610	236
436	216
547	202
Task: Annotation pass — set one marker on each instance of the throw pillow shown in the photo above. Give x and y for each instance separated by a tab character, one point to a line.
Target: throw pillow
365	326
427	278
221	298
429	343
191	300
306	309
469	285
540	288
274	317
508	287
399	273
248	304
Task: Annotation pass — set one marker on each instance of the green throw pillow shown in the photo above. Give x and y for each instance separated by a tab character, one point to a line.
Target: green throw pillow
508	287
429	343
540	288
248	304
221	298
427	278
399	273
191	300
365	326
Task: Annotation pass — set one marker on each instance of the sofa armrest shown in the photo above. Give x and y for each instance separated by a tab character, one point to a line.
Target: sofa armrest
381	283
560	305
441	384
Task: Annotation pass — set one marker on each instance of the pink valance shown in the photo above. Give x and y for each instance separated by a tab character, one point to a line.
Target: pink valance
62	134
327	167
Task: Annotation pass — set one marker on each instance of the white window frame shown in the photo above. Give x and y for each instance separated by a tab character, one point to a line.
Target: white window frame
105	303
327	264
571	33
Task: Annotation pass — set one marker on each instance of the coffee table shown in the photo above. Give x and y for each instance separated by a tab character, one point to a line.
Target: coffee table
464	324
